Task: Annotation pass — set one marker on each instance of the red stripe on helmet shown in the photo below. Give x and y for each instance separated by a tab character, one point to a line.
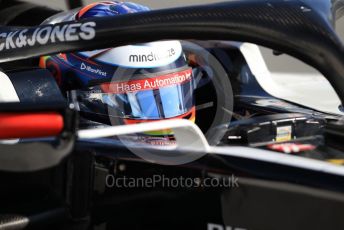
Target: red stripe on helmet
85	9
148	83
90	6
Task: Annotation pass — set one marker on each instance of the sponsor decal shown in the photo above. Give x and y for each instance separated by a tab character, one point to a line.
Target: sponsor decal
212	226
291	147
161	141
149	83
148	55
151	57
284	133
88	68
47	34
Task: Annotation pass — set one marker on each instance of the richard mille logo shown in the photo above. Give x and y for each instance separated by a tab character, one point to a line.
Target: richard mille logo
92	70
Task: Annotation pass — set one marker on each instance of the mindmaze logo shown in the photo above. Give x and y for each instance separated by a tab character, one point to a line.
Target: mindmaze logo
152	56
51	33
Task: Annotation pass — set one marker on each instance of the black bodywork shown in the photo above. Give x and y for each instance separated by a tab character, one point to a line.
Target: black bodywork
64	185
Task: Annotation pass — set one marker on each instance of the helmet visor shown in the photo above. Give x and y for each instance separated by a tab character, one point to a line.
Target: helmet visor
144	98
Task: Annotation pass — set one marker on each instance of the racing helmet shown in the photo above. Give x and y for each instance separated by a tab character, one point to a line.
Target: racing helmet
129	84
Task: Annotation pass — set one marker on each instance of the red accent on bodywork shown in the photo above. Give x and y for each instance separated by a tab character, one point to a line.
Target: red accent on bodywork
291	147
30	125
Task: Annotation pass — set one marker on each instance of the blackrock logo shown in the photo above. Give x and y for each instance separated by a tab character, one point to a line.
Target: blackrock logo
92	70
